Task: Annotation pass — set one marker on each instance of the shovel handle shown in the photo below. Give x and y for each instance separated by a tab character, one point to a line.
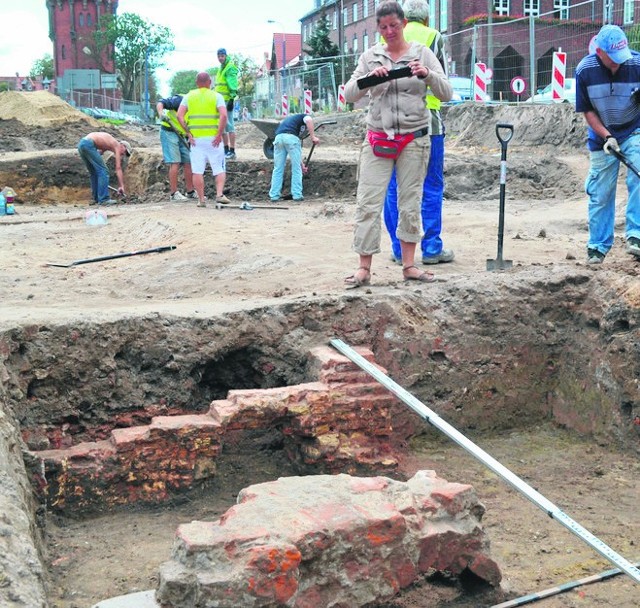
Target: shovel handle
504	139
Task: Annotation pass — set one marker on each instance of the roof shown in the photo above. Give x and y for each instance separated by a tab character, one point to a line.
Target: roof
291	44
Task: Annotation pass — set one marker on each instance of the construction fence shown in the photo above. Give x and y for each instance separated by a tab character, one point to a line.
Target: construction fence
510	47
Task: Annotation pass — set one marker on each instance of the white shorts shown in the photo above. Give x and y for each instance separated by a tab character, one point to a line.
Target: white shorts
204	151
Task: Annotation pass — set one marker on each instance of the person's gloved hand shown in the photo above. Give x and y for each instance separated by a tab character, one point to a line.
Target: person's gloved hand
635	95
230	105
611	144
164	116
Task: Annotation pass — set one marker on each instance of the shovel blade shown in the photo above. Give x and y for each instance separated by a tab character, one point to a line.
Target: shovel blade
499	264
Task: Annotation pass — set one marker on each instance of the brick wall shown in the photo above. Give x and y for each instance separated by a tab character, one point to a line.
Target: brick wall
343	422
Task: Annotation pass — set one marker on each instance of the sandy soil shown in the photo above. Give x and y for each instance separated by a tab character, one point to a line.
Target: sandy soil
230	258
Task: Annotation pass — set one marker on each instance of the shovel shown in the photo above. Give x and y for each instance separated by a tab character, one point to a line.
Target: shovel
123	198
113	256
247	206
623	159
499	263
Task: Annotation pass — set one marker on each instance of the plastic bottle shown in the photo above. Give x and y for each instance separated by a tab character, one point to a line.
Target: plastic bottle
3	204
93	217
9	195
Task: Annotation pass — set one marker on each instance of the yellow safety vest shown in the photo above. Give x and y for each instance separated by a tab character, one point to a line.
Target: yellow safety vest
221	82
173	121
203	112
416	32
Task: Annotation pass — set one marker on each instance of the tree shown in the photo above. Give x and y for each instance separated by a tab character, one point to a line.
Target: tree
183	81
320	44
247	70
321	47
138	48
633	36
43	67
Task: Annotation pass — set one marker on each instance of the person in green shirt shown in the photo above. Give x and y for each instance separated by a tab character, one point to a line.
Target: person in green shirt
227	86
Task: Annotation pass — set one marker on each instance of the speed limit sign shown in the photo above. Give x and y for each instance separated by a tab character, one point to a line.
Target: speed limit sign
518	85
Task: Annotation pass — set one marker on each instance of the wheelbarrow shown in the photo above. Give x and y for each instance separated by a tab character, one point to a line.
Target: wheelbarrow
269	125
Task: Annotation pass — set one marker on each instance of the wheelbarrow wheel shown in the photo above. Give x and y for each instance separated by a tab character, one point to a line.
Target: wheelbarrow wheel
267	148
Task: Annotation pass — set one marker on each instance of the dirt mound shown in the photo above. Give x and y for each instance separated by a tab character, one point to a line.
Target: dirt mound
558	125
467	124
40	108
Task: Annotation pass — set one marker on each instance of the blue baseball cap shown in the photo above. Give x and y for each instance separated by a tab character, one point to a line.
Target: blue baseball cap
612	40
221	52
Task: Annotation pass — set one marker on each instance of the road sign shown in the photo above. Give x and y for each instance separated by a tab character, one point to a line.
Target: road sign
489	73
518	85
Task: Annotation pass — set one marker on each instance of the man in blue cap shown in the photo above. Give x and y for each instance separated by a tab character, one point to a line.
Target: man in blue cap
608	93
227	86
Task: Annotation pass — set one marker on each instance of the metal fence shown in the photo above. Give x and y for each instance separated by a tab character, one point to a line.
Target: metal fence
511	47
524	47
320	76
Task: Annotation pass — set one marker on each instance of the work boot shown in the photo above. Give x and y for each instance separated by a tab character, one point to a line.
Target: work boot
633	246
445	256
594	256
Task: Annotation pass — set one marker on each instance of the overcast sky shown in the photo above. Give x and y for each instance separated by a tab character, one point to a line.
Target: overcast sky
200	28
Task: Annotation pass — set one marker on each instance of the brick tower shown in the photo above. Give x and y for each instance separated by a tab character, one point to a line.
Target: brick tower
82	76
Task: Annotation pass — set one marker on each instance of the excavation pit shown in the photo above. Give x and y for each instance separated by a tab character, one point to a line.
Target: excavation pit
514	386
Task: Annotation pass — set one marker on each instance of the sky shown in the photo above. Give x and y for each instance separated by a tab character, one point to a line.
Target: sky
200	28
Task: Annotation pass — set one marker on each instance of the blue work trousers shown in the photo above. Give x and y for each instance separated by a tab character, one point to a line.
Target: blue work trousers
600	186
286	144
431	209
97	170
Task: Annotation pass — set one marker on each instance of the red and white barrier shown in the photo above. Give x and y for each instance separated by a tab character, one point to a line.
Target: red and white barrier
285	105
342	103
278	110
558	71
479	82
307	101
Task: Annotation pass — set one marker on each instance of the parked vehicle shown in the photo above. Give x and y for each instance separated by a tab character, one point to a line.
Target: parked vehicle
544	95
463	89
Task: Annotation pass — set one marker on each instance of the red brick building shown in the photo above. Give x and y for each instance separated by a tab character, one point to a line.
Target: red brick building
80	71
506	41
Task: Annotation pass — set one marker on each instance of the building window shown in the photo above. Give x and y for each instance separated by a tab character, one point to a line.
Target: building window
501	7
444	17
531	8
354	9
365	41
561	8
627	17
81	19
88	20
355	44
377	37
365	9
63	52
345	16
345	48
335	19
